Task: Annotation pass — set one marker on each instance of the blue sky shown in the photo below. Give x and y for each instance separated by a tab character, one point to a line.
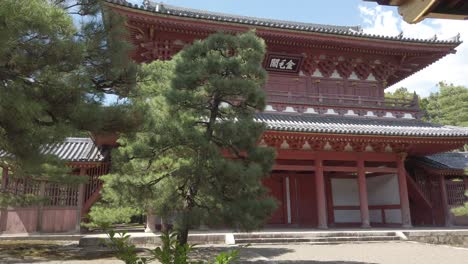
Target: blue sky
373	18
336	12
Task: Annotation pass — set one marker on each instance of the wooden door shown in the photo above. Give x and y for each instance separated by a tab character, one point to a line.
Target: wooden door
276	186
305	202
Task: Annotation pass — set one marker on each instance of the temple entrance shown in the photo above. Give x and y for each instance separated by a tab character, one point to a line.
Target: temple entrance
304	200
296	197
276	185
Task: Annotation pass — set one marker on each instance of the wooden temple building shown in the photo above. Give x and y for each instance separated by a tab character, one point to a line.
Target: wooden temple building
346	155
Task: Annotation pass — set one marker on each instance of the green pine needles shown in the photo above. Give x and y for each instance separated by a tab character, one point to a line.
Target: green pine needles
196	159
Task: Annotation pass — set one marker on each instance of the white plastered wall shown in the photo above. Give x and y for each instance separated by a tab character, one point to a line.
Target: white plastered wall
345	192
381	190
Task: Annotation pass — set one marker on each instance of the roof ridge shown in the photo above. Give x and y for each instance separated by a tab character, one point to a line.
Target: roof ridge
354	31
257	19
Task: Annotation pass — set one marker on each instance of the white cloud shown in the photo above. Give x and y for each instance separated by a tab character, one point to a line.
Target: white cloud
452	68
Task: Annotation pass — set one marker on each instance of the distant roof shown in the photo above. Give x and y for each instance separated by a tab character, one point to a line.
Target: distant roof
355	31
447	161
312	123
73	149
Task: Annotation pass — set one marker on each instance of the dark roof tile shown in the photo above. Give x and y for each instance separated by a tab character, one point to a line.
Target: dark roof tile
449	160
357	125
73	149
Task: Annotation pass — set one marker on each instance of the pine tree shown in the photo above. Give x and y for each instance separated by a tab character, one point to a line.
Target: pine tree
449	106
196	159
58	60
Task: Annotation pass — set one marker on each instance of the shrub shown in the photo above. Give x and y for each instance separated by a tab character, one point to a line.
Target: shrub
170	252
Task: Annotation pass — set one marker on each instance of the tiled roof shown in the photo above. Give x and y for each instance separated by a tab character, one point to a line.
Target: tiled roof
444	161
310	123
355	31
73	149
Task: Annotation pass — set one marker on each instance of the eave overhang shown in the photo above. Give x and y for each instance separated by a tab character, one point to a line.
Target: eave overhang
412	54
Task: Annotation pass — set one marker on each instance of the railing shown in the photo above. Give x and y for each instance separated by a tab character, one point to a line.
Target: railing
54	194
331	99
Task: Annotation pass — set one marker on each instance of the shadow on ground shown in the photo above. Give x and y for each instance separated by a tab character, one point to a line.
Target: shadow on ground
313	262
43	251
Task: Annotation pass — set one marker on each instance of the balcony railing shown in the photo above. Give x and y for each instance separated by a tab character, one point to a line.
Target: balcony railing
341	100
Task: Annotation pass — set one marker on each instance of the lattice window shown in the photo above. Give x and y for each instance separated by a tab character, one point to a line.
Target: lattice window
61	194
455	192
23	186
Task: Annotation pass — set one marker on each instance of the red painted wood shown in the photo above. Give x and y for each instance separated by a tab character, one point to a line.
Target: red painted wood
91	200
389	170
444	200
59	219
306	200
293	185
364	205
321	199
329	194
403	188
339	169
371	207
288	154
283	167
276	186
21	220
412	145
4	178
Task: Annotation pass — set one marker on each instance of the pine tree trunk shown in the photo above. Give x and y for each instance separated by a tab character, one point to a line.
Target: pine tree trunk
183	235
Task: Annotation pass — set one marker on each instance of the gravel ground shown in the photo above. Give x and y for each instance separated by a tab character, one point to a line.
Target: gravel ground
366	253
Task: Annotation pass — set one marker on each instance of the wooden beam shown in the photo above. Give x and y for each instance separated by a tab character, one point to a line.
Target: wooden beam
414	11
281	167
376	169
339	169
288	154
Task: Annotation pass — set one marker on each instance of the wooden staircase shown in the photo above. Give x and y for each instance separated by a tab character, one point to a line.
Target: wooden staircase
93	187
422	207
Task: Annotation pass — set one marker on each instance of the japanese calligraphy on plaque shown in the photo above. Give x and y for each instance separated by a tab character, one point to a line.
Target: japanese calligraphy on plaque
283	63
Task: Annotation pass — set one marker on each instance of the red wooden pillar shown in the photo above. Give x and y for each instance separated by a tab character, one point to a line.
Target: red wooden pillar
4	178
80	202
444	200
288	199
363	203
4	211
404	200
321	200
40	208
